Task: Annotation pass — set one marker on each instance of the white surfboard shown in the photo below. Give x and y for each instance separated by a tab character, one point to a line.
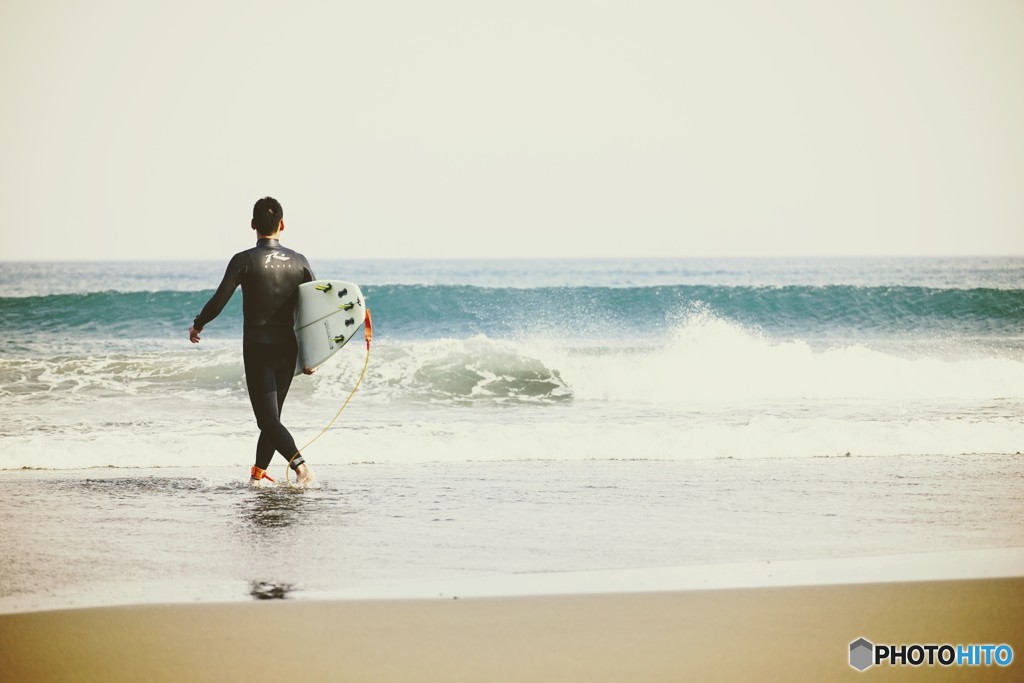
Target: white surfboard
327	316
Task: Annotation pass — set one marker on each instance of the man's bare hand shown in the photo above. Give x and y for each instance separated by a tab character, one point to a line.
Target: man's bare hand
193	334
308	371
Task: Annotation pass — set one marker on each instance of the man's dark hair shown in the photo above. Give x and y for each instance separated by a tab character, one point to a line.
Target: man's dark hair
266	215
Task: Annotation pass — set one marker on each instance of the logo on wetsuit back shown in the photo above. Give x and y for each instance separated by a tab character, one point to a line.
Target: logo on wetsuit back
274	257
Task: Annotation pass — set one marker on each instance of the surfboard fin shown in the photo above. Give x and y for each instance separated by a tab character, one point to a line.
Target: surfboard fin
325	287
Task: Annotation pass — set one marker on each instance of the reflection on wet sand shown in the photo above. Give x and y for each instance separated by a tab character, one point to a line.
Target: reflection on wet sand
263	590
274	508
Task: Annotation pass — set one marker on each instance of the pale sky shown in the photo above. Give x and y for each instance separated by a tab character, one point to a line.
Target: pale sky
146	130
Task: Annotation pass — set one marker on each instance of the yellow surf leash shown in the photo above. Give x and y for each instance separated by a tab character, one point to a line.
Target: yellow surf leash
368	335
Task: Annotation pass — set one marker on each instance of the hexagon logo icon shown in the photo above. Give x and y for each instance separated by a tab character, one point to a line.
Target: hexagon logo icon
861	654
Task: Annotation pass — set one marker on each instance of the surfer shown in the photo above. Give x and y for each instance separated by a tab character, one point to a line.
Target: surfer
269	275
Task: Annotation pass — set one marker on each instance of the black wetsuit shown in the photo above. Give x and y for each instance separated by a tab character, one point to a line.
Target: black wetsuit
270	276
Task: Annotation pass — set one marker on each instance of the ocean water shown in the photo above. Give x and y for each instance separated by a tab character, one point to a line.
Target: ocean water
670	360
566	387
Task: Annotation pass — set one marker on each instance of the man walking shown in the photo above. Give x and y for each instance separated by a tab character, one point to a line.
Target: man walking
269	275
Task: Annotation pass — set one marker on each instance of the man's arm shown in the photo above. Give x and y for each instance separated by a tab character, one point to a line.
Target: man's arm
220	298
309	276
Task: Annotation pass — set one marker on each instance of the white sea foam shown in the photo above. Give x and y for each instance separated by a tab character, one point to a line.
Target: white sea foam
712	389
710	359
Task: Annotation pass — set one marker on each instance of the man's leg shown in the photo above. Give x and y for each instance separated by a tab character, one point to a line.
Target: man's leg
284	372
268	387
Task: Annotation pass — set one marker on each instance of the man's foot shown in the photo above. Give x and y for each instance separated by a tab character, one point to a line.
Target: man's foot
304	475
255	483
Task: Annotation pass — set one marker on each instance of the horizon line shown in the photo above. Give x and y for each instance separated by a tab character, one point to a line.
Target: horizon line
822	257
